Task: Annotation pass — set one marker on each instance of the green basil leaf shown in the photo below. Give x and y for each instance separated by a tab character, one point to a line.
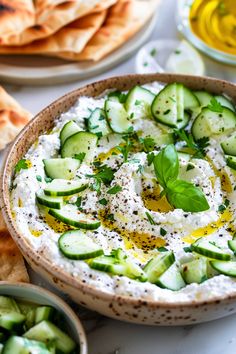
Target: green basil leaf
184	195
166	165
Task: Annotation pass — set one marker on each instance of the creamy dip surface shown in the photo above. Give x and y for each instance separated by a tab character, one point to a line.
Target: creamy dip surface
124	219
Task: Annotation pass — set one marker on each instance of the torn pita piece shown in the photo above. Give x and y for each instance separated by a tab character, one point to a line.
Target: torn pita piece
124	19
12	118
50	16
72	37
12	264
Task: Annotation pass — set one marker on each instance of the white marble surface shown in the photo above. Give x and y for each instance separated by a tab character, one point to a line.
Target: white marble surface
106	336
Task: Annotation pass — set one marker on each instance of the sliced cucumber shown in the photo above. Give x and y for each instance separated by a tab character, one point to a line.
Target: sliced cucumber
158	265
63	187
203	97
132	270
191	101
107	264
68	129
12	321
170	105
171	279
19	345
138	103
97	123
209	123
232	245
80	143
231	161
229	145
117	117
195	271
50	202
210	250
226	268
43	313
77	245
61	168
46	331
225	102
73	217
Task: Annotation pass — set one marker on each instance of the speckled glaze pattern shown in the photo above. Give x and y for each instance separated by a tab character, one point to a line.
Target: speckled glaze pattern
40	296
119	307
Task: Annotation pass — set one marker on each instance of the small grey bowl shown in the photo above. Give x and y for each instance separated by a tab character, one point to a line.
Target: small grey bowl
38	295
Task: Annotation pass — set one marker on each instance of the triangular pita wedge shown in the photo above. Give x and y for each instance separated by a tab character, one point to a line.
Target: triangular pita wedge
123	21
49	19
12	264
12	118
73	37
15	16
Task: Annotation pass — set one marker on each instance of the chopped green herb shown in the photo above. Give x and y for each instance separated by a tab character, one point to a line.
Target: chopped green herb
153	52
188	249
115	189
163	232
78	202
80	156
39	178
47	179
162	249
148	143
150	218
121	96
103	201
21	165
137	103
110	217
145	64
166	112
140	169
177	51
215	106
105	175
197	147
190	166
172	99
222	207
150	158
125	149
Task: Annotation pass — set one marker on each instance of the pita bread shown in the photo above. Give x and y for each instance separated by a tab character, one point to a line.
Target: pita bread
50	18
15	16
73	37
123	21
12	118
11	261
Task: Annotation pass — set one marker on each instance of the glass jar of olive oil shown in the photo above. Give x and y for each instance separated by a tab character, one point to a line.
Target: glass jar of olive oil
211	26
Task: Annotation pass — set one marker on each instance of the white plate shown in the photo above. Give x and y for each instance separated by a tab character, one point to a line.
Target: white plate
37	70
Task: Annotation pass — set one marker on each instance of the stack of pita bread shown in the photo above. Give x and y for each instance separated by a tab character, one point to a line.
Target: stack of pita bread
12	119
75	30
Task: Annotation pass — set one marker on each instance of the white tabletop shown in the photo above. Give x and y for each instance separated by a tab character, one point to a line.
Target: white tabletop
106	336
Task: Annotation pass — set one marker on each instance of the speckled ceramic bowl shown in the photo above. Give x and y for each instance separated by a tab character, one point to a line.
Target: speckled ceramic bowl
119	307
38	295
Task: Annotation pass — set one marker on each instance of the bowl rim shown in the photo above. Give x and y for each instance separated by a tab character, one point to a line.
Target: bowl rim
54	270
74	319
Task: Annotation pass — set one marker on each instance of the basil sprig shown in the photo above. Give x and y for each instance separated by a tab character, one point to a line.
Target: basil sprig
180	194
